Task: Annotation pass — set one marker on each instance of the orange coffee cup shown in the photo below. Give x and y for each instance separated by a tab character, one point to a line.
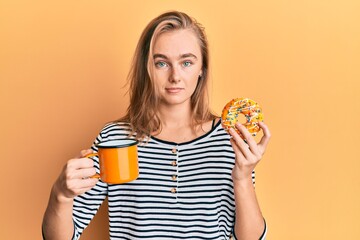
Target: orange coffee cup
118	161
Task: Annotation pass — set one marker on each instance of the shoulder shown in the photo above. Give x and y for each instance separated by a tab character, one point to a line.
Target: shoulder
216	121
115	130
210	125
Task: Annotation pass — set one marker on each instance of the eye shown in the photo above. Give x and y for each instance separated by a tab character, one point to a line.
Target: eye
187	63
160	64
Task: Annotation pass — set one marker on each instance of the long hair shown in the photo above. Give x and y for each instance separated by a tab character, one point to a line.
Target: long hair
144	101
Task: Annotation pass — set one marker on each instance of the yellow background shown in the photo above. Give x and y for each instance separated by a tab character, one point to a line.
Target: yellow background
63	66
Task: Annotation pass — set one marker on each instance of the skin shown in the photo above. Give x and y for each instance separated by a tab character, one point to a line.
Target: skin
177	65
178	62
249	220
175	113
72	181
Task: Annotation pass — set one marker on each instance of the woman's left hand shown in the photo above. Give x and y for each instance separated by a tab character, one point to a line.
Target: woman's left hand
247	155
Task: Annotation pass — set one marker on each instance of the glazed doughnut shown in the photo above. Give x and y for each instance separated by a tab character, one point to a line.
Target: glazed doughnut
246	106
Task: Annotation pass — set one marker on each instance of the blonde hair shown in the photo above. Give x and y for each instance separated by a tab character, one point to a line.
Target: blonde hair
142	110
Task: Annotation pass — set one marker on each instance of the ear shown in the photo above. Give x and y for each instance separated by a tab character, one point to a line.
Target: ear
200	75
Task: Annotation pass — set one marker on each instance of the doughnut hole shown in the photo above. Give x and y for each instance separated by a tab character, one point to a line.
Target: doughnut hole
241	119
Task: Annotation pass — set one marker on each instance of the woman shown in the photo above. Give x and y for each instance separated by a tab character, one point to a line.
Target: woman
194	177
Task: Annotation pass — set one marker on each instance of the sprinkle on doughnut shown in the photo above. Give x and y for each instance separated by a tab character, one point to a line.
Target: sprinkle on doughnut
251	110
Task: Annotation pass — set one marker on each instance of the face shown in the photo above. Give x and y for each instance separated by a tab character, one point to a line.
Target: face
177	66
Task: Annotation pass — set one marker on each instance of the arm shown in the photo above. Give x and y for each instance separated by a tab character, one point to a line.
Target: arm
249	222
57	222
73	180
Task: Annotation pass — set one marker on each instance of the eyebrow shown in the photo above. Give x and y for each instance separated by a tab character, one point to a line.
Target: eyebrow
185	55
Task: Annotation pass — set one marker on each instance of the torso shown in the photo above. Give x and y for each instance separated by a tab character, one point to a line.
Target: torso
184	190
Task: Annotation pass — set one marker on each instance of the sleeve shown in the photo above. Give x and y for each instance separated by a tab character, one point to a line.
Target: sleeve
253	177
87	204
262	237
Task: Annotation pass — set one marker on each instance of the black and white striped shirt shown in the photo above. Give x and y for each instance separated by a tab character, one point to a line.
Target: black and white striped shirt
182	194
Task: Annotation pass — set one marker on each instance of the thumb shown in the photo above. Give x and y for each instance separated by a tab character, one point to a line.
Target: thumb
85	152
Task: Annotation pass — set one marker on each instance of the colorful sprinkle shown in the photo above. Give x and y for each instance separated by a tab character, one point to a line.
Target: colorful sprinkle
249	108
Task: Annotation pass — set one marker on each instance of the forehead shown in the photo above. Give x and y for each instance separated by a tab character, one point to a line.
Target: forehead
177	42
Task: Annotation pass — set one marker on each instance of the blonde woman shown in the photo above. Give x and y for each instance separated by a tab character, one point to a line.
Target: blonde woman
196	180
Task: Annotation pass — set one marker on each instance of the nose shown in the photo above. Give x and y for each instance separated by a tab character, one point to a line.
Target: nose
174	76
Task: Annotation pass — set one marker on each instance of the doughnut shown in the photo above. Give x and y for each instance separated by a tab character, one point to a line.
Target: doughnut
246	106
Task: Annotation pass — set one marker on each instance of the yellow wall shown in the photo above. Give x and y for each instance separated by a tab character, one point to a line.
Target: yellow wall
63	66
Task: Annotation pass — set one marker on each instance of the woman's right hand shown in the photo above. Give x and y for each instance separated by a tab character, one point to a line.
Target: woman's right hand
75	178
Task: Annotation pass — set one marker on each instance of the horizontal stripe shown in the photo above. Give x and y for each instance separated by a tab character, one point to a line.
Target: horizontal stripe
203	206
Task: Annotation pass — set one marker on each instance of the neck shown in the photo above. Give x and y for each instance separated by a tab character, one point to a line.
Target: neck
175	116
176	121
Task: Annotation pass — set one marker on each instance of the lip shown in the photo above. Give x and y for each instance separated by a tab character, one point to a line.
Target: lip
173	89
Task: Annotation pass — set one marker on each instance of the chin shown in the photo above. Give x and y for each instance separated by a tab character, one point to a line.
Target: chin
176	101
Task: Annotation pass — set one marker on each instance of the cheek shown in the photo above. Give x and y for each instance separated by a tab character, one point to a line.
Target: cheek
194	82
195	77
159	78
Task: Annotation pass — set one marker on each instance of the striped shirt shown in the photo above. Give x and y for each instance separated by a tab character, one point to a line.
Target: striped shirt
184	190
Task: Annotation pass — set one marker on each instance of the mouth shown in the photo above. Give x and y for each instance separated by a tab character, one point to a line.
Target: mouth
173	89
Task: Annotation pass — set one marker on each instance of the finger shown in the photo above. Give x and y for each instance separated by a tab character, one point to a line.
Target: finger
85	152
86	183
236	147
80	163
89	182
83	190
248	137
84	186
266	137
85	173
240	144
